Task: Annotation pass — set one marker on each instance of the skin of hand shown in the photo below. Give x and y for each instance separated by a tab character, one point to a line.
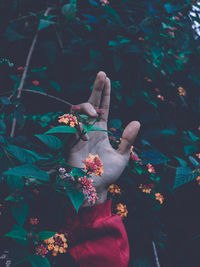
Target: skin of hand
97	142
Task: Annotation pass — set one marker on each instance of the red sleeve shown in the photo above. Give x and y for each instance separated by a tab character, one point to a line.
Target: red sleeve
98	237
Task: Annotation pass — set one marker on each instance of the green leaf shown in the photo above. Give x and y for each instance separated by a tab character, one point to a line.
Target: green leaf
183	176
29	171
44	24
21	154
112	13
2	126
78	172
69	10
189	149
96	128
20	212
38	261
15	182
18	233
77	198
193	136
168	132
45	235
55	85
61	129
182	162
50	140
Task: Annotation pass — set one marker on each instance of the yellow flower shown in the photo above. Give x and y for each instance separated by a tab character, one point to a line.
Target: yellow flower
50	246
49	240
159	197
114	189
145	188
121	210
68	119
181	91
93	164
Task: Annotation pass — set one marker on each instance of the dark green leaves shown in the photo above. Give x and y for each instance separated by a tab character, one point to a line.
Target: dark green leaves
61	129
15	182
38	261
18	233
51	141
21	154
183	176
76	197
44	24
28	171
45	235
20	212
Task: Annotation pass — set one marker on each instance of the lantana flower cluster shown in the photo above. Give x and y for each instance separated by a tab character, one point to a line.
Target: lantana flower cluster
88	189
93	164
57	244
114	189
122	210
68	119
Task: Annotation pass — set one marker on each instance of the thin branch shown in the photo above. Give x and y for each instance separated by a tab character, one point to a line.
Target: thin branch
19	89
155	254
47	95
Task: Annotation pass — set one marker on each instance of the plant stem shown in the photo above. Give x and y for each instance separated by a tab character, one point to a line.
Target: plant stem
155	254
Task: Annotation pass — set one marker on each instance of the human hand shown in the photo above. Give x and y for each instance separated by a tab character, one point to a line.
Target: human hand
114	161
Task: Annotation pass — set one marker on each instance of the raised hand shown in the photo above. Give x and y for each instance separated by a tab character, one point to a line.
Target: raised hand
114	161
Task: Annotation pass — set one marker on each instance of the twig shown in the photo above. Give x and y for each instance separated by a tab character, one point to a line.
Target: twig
155	254
19	89
47	95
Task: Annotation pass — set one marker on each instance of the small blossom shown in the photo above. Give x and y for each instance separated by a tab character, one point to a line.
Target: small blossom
150	168
104	2
100	111
181	91
145	188
198	180
34	221
62	170
68	119
121	210
75	108
141	38
93	164
112	138
157	90
159	197
135	158
198	155
41	250
114	189
35	83
88	189
113	129
161	97
20	68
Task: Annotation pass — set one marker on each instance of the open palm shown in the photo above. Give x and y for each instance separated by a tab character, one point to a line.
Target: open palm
114	161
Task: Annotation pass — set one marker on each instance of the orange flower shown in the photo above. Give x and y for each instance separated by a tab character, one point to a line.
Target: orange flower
57	243
198	155
68	119
122	210
114	189
181	91
150	168
159	197
198	180
93	164
161	97
145	188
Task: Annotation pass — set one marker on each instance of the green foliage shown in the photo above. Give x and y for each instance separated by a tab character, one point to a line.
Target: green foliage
38	261
20	212
45	235
51	141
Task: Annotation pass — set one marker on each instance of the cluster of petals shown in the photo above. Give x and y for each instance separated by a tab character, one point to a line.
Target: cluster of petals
159	197
88	189
145	188
34	221
57	244
35	83
181	91
135	157
198	155
114	189
41	250
198	180
122	210
150	168
68	119
93	164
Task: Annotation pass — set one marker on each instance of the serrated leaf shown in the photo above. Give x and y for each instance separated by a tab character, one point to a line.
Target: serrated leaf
45	235
20	212
38	261
61	129
183	176
50	140
29	171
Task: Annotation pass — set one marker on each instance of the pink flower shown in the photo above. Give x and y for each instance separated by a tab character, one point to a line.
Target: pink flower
93	164
150	168
20	68
75	108
112	129
35	83
88	189
136	158
41	250
34	221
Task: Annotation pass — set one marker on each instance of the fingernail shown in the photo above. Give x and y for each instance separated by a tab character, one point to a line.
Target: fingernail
93	111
